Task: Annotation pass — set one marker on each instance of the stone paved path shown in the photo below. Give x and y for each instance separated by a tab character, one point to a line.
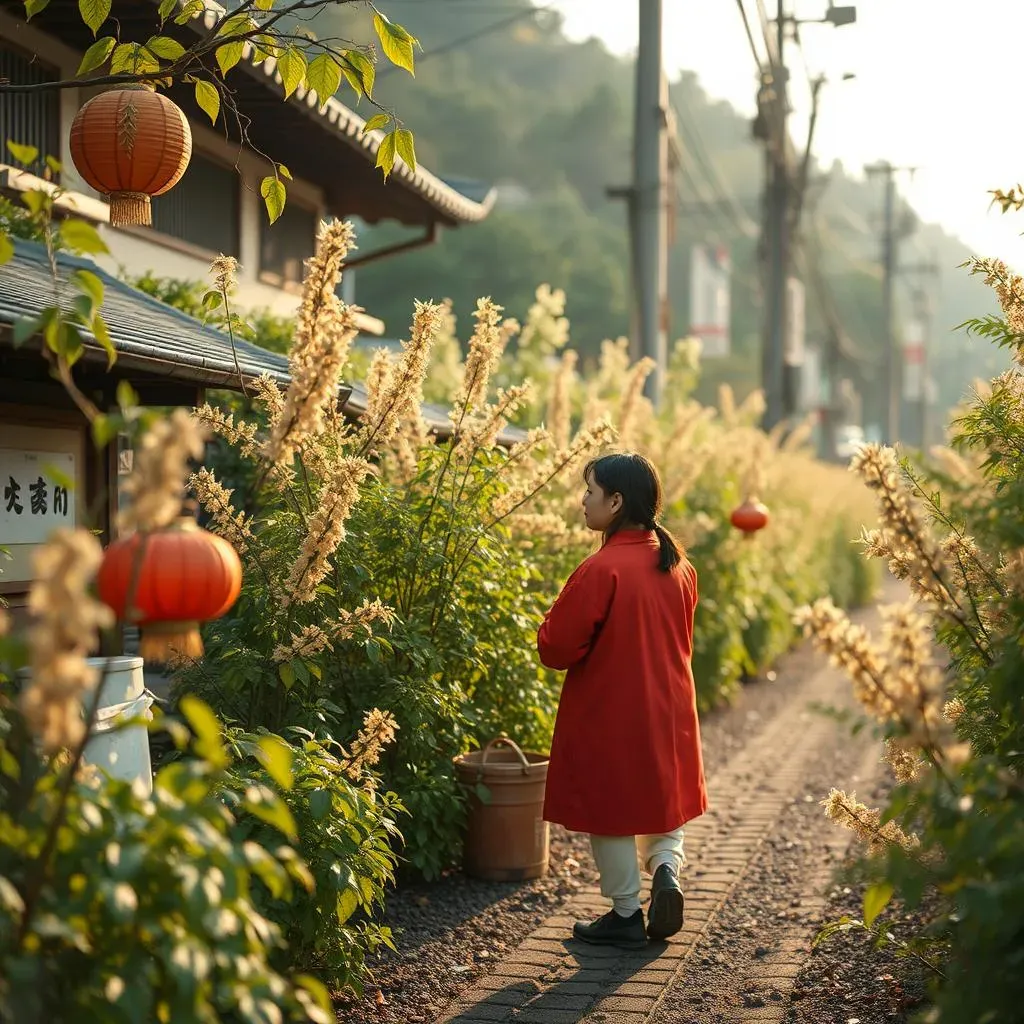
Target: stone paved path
552	979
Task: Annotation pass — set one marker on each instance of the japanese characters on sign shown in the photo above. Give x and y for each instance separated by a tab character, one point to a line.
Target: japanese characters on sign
36	494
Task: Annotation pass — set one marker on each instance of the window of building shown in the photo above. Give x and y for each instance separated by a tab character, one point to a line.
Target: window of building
287	243
29	118
203	208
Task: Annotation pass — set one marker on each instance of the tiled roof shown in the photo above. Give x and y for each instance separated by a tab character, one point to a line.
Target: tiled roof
149	334
464	201
144	329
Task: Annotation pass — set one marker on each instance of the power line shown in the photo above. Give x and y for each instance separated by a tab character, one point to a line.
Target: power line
472	37
711	173
750	33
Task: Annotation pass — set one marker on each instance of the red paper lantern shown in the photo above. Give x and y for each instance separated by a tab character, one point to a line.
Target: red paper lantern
130	144
173	579
750	517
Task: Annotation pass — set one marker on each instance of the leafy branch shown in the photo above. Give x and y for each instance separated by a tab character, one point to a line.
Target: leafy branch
255	31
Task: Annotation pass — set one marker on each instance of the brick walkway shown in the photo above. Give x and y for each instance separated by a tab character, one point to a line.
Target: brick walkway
552	979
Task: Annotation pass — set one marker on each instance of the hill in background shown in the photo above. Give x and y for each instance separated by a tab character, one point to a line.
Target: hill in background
550	122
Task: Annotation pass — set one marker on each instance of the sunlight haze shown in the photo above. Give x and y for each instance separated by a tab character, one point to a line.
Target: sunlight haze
931	91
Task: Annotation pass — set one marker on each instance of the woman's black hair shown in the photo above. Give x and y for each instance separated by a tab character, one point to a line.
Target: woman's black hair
636	480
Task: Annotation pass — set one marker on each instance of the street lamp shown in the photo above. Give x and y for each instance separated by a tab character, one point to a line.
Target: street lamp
838	16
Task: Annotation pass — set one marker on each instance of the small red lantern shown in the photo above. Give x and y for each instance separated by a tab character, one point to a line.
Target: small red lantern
182	576
130	144
750	517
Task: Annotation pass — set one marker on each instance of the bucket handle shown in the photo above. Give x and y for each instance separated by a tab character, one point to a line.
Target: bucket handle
508	743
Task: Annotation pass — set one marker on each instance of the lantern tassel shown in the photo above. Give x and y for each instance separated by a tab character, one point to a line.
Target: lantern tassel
170	642
130	209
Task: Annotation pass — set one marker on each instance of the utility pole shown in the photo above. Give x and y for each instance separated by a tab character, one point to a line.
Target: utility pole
892	232
650	191
782	211
776	228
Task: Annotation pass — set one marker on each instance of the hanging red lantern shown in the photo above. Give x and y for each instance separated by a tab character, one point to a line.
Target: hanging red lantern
750	517
183	576
131	144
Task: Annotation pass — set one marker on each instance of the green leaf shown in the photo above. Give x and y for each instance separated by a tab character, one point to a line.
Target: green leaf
274	196
287	675
276	756
102	335
386	154
319	804
167	9
127	397
229	55
33	7
291	65
265	804
25	327
395	42
263	5
97	55
6	249
236	25
104	430
165	48
26	155
377	122
94	12
89	283
81	237
207	728
324	76
284	172
189	10
10	898
208	99
363	72
54	164
405	146
319	995
876	898
348	902
37	200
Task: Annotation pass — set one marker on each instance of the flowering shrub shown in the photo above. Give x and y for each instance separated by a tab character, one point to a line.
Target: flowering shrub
380	570
944	687
119	907
342	829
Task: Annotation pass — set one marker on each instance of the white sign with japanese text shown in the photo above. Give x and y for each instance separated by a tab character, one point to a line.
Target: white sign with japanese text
36	494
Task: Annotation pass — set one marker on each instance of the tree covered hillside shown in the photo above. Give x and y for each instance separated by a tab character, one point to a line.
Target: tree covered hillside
551	122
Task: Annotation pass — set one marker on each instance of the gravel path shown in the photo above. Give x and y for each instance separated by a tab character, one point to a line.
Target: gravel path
453	933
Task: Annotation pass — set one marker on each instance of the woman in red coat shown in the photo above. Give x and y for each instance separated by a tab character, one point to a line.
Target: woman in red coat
626	759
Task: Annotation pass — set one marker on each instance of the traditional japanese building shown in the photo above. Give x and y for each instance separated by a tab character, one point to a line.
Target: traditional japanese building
50	471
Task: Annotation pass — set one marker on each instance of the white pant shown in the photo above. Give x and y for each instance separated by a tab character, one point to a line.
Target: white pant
619	860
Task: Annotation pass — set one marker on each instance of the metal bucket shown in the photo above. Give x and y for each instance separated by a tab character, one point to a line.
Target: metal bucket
507	839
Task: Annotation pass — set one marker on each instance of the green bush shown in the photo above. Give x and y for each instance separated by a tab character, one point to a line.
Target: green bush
343	833
119	908
950	525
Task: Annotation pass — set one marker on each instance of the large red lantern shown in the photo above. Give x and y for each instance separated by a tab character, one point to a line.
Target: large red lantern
750	517
130	144
167	582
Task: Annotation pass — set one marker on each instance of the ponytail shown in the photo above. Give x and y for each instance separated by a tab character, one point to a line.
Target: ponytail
671	555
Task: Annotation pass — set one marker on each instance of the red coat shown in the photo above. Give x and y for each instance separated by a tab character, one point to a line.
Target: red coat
625	757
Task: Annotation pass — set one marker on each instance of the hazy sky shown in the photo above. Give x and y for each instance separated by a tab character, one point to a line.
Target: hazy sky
938	86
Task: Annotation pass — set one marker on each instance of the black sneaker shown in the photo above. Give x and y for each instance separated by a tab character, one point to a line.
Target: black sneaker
665	914
614	930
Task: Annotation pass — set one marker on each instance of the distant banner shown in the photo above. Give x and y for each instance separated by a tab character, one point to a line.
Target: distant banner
710	297
913	362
